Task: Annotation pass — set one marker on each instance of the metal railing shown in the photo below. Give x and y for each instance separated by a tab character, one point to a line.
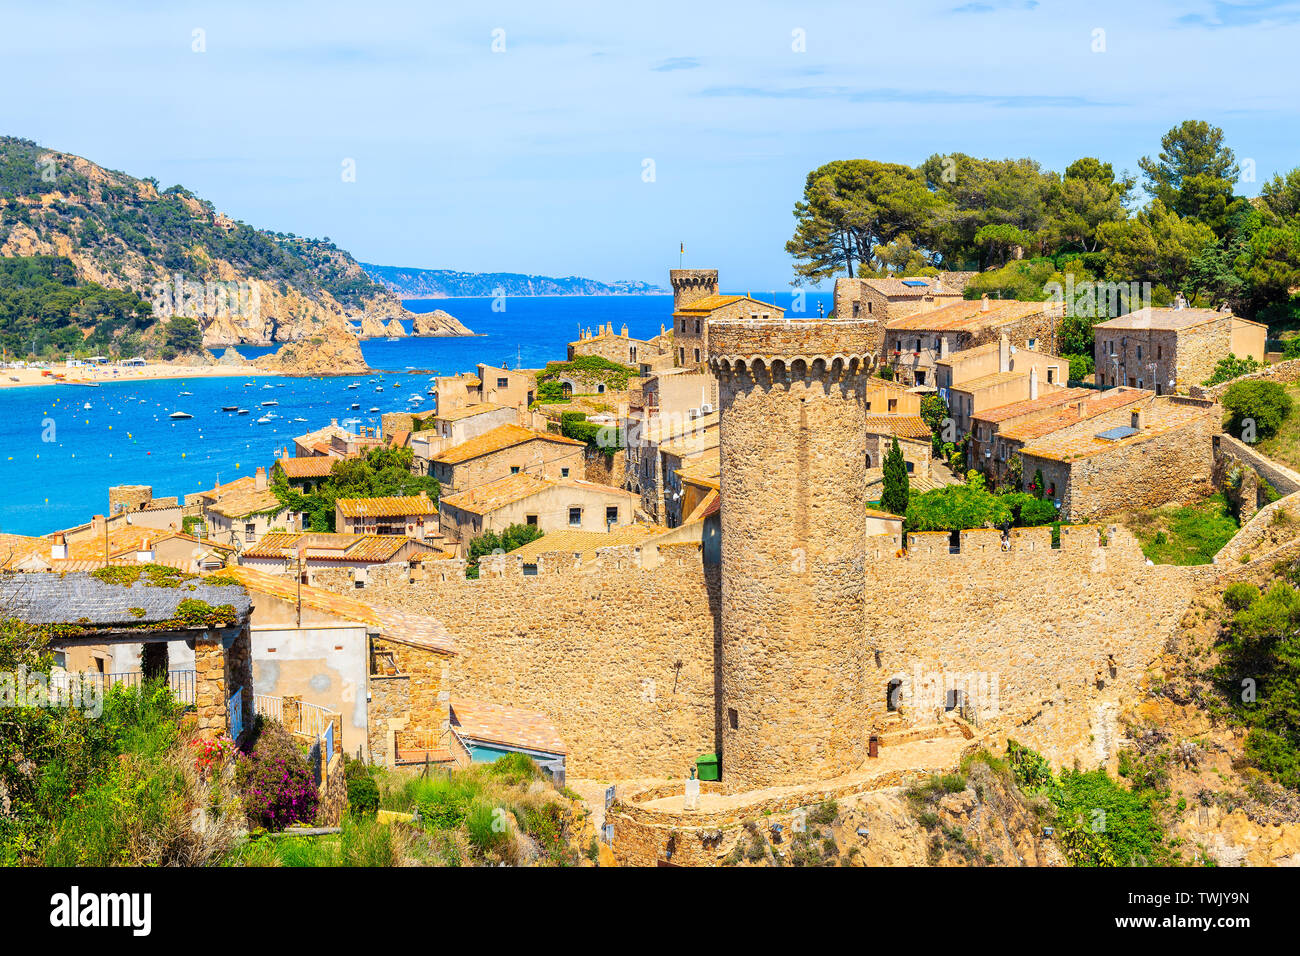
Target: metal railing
313	719
267	705
180	682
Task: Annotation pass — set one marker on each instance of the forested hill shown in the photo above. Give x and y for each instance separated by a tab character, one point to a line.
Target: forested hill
443	283
126	234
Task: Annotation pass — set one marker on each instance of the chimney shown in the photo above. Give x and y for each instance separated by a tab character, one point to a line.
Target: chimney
943	346
1138	419
984	303
1004	353
59	550
259	479
1082	406
97	524
145	553
1033	382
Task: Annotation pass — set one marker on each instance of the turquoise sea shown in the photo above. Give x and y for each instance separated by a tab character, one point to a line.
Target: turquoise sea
59	458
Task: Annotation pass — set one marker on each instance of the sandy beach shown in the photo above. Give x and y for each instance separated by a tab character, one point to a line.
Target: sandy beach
96	374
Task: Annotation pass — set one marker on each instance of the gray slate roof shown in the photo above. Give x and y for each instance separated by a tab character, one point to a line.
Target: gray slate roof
43	597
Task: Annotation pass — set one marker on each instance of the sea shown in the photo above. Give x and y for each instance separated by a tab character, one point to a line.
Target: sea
63	446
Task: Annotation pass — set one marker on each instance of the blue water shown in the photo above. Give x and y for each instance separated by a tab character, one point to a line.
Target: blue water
59	458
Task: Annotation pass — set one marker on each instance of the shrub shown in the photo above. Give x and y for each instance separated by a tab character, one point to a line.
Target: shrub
278	786
894	498
486	827
1231	367
363	796
1238	595
515	768
1256	409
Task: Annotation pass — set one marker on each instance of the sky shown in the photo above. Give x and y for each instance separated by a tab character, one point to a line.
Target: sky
594	139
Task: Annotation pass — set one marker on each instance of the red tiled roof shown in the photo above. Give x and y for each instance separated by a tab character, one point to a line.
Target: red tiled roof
503	724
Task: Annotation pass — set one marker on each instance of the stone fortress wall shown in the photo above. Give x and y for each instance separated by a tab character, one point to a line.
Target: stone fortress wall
623	653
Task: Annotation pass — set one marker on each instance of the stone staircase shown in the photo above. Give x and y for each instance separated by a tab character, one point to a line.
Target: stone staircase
893	730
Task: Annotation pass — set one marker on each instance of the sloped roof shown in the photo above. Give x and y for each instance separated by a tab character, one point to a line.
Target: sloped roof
247	501
327	546
312	466
711	303
1158	419
497	439
900	426
388	622
497	494
583	542
80	598
966	316
1171	320
467	411
503	724
1105	402
391	507
1000	413
990	380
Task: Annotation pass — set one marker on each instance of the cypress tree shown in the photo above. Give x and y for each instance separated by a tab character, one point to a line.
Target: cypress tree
894	497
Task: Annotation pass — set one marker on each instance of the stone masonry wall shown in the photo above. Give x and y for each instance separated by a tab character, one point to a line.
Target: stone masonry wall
623	658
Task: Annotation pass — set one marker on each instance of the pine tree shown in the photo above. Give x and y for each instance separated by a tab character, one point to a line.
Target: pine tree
894	498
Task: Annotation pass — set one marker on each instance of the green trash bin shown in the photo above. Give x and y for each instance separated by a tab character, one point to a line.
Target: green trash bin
707	767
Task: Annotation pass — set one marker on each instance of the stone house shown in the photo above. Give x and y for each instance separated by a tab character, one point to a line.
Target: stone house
1150	454
1169	350
691	323
643	462
915	344
322	646
622	348
887	397
1012	437
412	516
882	300
305	473
241	519
692	453
318	442
983	451
529	500
507	450
447	429
914	441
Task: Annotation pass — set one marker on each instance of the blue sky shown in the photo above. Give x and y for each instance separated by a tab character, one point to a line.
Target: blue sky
532	159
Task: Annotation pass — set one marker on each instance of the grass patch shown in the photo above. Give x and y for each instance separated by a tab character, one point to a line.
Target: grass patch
1184	534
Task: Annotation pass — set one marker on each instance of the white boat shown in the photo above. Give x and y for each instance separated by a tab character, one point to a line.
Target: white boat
354	406
375	409
271	403
298	419
180	415
264	420
187	393
86	406
379	388
353	385
242	411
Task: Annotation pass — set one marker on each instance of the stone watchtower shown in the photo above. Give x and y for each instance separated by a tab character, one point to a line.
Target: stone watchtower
691	285
794	526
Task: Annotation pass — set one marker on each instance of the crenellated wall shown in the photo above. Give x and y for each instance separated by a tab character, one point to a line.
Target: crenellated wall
622	653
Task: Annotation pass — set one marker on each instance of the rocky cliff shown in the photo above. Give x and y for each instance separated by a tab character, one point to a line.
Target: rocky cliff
433	323
241	284
332	352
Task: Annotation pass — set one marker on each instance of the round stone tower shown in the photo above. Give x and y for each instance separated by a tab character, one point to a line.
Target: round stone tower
794	525
690	285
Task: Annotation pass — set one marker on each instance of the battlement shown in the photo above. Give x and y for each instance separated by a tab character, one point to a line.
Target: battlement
691	285
796	347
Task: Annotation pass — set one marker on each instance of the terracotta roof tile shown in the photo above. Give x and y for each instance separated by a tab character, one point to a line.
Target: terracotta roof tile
1001	413
497	439
330	546
392	507
502	724
900	426
1105	402
966	316
312	466
468	411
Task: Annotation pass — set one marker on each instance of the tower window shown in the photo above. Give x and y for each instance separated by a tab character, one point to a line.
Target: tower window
733	718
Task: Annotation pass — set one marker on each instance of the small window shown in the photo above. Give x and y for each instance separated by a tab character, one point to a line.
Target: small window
697	355
733	718
681	354
611	515
869	308
857	308
1032	344
514	469
893	405
909	466
1139	353
697	326
892	693
530	570
1051	374
1159	352
564	473
530	520
575	517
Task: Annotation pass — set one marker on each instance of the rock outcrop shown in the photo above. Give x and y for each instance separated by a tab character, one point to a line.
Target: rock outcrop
333	352
438	322
395	328
231	357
